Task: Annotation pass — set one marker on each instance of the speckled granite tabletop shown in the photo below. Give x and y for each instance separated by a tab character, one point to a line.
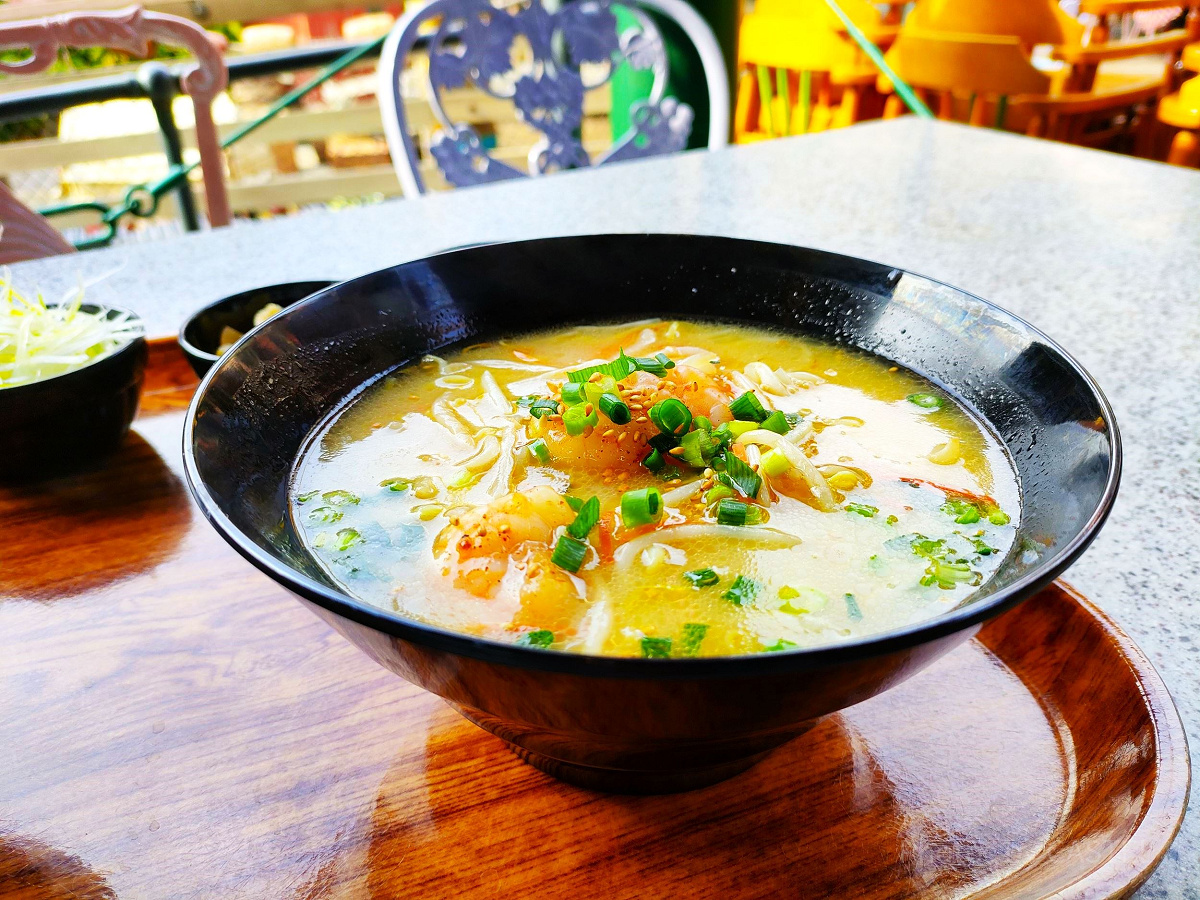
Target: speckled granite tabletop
1101	252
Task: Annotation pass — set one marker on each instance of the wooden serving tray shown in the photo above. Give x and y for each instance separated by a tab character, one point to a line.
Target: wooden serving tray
173	725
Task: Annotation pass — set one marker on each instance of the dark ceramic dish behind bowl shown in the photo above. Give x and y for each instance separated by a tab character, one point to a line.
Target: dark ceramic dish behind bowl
62	423
646	725
200	335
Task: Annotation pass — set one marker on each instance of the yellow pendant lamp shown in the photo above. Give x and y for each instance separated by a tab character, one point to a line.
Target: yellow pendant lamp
1033	21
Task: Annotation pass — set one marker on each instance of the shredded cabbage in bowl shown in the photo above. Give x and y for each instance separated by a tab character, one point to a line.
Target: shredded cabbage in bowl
39	341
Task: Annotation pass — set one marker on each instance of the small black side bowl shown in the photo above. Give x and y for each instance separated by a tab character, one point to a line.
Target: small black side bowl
200	335
646	725
62	423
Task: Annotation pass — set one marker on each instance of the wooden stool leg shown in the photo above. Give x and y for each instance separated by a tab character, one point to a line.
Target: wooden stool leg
745	112
978	114
848	112
1185	150
945	106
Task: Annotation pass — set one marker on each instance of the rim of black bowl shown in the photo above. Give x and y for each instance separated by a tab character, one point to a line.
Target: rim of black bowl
191	349
111	354
960	618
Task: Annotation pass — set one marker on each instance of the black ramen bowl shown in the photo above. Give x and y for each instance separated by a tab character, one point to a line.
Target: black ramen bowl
65	422
200	335
646	725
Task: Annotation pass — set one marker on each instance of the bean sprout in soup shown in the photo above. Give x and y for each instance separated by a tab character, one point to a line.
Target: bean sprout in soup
657	489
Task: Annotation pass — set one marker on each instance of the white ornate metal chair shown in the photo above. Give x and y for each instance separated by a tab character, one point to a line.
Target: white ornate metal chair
473	44
25	234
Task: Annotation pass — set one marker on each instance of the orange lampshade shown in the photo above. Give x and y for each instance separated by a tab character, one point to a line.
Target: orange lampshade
1032	21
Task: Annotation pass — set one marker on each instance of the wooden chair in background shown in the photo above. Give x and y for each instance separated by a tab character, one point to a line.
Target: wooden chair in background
991	80
801	71
1096	45
1181	110
26	235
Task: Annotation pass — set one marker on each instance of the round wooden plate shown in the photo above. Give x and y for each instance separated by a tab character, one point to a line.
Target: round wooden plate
172	724
1044	759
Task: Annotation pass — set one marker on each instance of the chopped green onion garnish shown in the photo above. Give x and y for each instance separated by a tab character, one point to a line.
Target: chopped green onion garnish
852	608
964	511
693	635
541	638
737	429
998	517
654	461
543	406
779	646
671	417
926	401
703	423
569	553
579	418
699	446
574	502
742	591
662	442
655	365
585	519
641	507
744	478
892	520
947	575
539	449
347	538
862	509
981	546
621	367
305	497
615	408
747	408
656	647
774	463
944	570
702	577
339	498
776	422
572	393
594	390
735	512
624	366
396	485
717	492
808	600
326	515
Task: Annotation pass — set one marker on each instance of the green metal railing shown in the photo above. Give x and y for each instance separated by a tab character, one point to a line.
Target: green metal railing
142	199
